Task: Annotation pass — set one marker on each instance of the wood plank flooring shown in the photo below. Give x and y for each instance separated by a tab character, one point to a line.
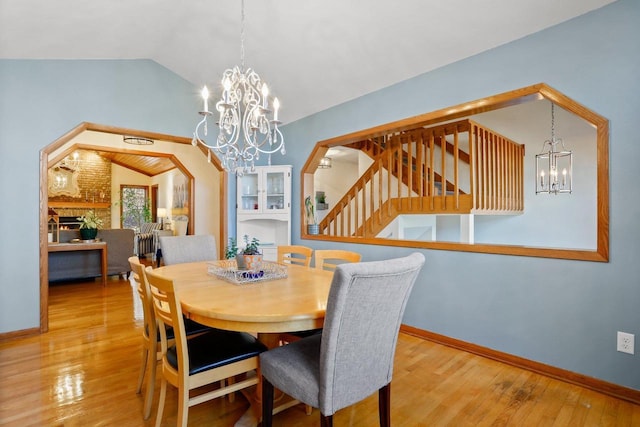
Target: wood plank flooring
84	372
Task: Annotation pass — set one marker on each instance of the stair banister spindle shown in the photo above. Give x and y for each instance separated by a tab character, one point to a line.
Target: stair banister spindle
363	210
380	193
456	189
472	168
389	174
399	167
410	172
493	172
373	200
484	183
348	216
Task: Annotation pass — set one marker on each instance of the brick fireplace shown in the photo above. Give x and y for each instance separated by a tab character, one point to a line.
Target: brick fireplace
94	182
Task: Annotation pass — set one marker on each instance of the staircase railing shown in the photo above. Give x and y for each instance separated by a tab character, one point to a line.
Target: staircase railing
497	172
428	171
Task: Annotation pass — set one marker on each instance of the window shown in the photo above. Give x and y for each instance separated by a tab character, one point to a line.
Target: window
135	206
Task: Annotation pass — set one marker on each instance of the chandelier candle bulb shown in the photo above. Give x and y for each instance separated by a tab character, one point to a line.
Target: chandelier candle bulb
205	96
265	95
276	106
226	84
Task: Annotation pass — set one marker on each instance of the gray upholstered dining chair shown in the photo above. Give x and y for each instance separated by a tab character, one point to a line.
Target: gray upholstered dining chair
354	355
192	248
325	259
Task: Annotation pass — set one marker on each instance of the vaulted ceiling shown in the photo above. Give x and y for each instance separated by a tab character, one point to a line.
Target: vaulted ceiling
313	53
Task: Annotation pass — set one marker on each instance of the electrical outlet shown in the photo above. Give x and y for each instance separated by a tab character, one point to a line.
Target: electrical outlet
625	342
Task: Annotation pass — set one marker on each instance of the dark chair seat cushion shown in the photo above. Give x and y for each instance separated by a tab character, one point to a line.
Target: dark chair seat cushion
190	327
216	348
304	334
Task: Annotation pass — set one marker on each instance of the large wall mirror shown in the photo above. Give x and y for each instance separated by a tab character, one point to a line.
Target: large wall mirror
63	181
464	178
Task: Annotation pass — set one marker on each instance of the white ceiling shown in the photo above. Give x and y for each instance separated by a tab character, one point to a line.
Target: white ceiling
313	53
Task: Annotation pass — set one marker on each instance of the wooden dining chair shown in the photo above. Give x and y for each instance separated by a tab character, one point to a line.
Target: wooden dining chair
295	254
151	351
353	358
202	360
322	256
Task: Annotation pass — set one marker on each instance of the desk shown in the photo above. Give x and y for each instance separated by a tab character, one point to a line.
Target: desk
295	303
94	246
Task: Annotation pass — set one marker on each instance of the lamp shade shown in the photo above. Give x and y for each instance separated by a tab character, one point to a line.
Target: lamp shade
162	212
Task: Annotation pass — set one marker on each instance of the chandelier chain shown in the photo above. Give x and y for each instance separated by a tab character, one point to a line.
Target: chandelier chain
242	35
247	118
553	122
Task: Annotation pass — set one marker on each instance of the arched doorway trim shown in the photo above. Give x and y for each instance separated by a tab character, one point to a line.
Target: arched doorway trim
45	163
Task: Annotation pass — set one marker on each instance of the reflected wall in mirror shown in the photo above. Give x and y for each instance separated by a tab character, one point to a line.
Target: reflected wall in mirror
463	178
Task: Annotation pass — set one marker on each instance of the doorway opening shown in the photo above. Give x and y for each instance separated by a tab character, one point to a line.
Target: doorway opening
66	144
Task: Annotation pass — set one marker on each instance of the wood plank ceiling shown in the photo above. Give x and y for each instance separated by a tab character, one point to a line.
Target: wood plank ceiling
147	165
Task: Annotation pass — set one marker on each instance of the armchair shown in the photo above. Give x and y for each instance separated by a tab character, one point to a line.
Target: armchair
143	242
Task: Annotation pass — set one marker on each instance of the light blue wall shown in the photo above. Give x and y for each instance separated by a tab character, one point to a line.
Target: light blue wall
562	313
39	102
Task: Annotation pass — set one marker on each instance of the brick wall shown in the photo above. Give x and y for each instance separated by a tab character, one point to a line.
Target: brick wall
94	181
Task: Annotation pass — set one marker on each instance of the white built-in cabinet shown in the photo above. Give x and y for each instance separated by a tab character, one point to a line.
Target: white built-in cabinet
264	208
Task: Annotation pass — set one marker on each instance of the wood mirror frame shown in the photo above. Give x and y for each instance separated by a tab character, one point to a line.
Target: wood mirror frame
511	98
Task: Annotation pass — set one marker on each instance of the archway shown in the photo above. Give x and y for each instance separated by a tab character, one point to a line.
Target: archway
63	146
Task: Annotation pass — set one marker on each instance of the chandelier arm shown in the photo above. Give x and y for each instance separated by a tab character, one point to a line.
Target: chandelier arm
276	144
247	124
198	140
228	129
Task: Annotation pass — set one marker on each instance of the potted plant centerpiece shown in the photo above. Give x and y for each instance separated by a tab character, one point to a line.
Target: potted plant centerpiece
251	254
248	258
312	225
90	223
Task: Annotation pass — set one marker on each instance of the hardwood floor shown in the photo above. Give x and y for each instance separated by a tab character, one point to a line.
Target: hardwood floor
84	372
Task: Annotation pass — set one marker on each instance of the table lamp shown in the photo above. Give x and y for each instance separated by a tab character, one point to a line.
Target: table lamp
161	214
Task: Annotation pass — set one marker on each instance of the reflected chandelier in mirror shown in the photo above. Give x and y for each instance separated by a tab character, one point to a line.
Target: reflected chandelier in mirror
63	181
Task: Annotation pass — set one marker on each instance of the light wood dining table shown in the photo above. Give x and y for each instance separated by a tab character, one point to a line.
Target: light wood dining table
266	308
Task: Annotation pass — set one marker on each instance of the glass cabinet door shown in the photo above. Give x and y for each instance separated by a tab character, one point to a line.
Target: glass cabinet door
266	190
275	191
249	193
264	207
